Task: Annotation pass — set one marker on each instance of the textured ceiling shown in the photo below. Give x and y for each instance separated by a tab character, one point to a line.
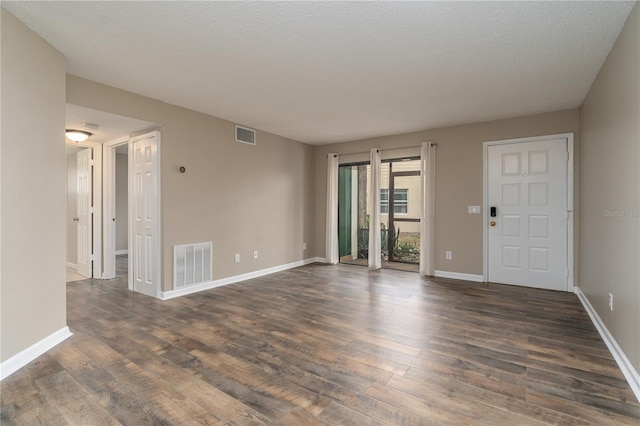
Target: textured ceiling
322	72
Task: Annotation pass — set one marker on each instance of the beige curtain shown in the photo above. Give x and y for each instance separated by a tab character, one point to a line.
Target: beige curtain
375	243
331	237
427	213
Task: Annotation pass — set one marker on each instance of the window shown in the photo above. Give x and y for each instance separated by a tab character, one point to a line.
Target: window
400	201
384	201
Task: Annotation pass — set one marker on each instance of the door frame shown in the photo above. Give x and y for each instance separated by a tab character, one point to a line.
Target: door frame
109	159
109	208
569	137
355	189
96	243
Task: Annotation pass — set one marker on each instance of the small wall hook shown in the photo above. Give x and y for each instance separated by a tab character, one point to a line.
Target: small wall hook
182	169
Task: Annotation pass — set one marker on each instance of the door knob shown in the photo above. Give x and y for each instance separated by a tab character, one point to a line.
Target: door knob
492	223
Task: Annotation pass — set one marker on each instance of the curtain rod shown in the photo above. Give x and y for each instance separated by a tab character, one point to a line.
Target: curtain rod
388	149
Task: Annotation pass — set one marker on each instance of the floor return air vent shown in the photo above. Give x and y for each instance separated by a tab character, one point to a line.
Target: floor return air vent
192	264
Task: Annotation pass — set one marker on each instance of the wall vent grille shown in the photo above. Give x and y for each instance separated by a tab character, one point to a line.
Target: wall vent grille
245	135
192	264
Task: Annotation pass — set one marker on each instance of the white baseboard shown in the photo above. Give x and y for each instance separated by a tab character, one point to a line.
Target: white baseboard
23	358
459	276
623	362
319	259
124	251
72	266
236	278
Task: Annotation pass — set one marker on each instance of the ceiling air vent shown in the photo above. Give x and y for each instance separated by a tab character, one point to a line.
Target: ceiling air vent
245	135
89	125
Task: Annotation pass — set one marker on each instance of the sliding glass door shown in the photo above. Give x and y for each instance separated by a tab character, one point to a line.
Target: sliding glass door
353	213
400	200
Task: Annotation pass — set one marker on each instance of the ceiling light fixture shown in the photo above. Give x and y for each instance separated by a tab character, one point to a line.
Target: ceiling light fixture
77	135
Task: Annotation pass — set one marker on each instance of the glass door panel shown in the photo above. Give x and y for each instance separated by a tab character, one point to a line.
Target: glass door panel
353	213
400	201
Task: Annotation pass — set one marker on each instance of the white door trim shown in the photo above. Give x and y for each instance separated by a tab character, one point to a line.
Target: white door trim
157	249
109	230
485	241
97	204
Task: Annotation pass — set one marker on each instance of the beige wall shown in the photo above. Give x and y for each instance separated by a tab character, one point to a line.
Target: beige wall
72	207
240	197
458	178
610	196
122	201
33	187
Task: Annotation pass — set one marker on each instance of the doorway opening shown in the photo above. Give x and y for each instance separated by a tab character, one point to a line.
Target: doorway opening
120	218
400	201
135	213
110	197
116	208
353	213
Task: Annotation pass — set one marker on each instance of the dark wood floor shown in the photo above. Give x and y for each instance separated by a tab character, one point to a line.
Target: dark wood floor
398	266
324	345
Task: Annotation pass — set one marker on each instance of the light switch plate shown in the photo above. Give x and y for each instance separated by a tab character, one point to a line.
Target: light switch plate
473	209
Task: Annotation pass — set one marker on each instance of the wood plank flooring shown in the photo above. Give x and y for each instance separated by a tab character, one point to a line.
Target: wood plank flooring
324	345
398	266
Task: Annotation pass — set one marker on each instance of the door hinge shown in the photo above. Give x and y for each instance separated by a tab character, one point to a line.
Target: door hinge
567	156
91	257
567	273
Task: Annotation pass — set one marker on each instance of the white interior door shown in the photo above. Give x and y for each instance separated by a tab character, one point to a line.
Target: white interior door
527	237
84	212
145	199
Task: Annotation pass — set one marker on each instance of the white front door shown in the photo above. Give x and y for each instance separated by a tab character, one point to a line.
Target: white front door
527	192
145	198
84	216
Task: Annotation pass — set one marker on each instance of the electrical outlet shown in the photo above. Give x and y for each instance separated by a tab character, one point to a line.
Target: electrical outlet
255	254
304	246
237	258
448	255
611	302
